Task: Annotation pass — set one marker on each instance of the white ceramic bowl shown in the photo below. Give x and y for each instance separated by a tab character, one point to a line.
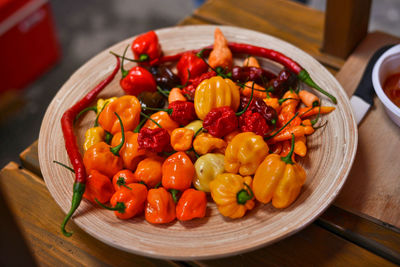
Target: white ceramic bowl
387	64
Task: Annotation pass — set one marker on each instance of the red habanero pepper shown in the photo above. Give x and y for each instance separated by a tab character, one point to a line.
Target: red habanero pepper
67	124
190	66
146	47
122	178
154	140
258	105
128	201
98	186
253	122
220	121
287	62
180	111
193	83
136	80
192	204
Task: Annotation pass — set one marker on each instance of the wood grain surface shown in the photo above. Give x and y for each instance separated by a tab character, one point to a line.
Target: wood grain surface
39	219
329	161
373	186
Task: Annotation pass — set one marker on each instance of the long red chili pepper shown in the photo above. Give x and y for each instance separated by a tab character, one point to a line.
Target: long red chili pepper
276	56
67	122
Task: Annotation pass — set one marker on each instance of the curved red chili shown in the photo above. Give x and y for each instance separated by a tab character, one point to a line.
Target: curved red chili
71	145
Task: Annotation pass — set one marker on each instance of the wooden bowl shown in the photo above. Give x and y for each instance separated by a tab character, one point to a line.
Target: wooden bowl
331	153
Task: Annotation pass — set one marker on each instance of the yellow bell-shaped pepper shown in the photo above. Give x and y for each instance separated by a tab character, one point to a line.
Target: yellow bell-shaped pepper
93	136
244	153
232	193
207	168
278	179
205	143
215	92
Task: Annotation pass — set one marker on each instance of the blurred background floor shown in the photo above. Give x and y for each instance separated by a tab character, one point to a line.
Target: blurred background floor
85	28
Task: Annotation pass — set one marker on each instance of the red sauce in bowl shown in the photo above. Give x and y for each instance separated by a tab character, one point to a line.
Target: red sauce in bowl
391	87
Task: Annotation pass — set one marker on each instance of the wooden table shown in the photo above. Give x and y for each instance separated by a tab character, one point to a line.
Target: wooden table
361	228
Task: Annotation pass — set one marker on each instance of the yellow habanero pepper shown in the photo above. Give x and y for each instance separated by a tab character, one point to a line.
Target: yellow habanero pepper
207	168
205	143
101	103
232	193
244	153
215	92
93	136
280	179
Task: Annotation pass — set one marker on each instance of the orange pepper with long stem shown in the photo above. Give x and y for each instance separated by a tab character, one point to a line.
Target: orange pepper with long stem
177	172
259	91
128	107
149	171
104	158
128	201
298	131
310	111
308	98
98	186
291	100
192	204
160	207
163	119
122	178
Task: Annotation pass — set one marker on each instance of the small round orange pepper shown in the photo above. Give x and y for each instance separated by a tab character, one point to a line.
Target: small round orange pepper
149	171
177	172
128	107
160	207
192	204
98	186
181	139
163	119
122	178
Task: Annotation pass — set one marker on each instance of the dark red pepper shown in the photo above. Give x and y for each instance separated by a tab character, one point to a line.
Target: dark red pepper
180	111
67	122
190	89
253	122
258	105
220	121
155	140
146	47
286	80
190	66
245	74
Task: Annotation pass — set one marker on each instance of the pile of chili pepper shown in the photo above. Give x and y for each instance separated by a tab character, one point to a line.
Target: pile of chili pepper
210	127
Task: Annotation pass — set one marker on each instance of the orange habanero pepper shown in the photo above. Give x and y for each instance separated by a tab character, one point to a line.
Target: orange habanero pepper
181	139
98	186
129	201
149	171
160	207
129	108
165	121
122	178
192	204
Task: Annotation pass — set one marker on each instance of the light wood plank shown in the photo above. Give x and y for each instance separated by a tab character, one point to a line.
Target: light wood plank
30	159
372	187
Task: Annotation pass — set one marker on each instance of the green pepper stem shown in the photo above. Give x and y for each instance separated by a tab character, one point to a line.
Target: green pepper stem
304	76
248	103
169	110
137	129
288	158
123	71
65	166
161	91
283	127
120	206
141	58
280	101
314	121
94	108
115	150
108	137
148	117
174	194
198	132
243	196
79	189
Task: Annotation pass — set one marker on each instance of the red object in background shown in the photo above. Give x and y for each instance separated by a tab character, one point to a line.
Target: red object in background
28	45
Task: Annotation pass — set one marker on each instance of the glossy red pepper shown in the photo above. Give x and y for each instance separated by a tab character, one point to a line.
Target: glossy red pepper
253	122
155	140
146	47
137	80
190	66
220	121
71	145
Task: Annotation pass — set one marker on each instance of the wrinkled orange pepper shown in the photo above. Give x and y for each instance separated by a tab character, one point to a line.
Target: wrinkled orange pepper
205	143
162	118
221	55
160	207
149	171
292	100
181	139
98	186
177	172
99	157
122	178
192	204
129	201
128	107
